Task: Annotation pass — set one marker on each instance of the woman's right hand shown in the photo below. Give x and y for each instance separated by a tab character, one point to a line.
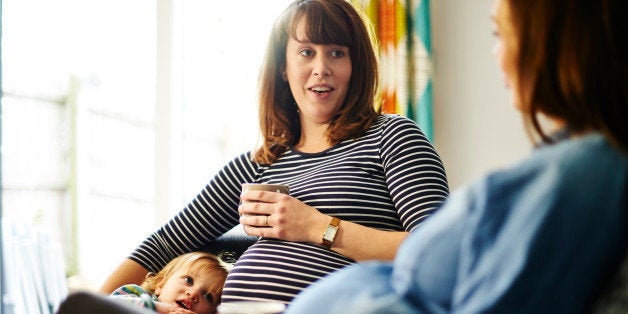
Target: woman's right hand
280	216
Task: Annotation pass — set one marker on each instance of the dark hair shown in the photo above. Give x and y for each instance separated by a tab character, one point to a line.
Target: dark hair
573	64
335	22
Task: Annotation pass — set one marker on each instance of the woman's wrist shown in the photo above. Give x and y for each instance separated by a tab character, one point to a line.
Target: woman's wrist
318	228
329	235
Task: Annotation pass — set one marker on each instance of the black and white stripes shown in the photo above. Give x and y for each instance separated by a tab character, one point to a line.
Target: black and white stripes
389	179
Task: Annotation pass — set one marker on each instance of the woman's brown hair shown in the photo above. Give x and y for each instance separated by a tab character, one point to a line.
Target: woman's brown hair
572	64
335	22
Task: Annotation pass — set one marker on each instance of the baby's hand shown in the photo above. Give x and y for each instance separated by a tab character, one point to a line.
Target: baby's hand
165	308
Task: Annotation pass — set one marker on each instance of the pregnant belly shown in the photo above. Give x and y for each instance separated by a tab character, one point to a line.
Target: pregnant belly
275	270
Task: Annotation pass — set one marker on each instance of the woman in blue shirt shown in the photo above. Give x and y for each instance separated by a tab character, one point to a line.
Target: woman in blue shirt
543	235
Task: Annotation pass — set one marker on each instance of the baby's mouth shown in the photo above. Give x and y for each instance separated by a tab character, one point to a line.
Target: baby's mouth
183	305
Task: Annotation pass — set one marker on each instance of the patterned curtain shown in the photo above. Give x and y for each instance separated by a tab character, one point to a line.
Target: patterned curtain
403	30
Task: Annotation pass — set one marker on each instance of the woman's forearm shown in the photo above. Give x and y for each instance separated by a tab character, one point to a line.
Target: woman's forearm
129	272
363	243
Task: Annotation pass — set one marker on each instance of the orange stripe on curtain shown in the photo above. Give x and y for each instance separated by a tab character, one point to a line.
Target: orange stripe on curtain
387	38
402	72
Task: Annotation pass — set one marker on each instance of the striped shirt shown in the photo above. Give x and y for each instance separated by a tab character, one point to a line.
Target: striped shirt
391	179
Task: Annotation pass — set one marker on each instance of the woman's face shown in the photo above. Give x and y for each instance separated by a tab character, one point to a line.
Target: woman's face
318	76
506	48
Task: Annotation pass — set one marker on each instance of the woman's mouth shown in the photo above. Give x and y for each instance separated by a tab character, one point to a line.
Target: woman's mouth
320	90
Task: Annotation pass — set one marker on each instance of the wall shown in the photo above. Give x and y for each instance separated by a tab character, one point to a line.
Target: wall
476	128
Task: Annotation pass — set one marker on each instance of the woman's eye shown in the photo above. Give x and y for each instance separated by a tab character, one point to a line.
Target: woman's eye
189	280
306	53
337	53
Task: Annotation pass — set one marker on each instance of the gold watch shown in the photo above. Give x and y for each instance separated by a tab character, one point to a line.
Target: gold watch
330	232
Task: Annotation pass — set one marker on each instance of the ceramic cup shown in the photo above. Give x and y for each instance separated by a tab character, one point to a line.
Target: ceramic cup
280	188
251	307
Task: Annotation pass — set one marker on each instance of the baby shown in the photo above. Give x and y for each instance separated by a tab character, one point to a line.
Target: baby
190	283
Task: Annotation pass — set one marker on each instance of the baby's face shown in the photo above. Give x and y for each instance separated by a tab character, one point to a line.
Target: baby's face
189	290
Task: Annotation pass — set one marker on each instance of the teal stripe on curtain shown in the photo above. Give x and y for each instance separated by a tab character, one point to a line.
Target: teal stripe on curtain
423	56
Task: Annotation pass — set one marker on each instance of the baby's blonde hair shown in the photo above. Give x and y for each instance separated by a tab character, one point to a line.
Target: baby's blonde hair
193	262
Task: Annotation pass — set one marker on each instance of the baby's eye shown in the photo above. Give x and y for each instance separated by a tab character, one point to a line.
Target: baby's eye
209	297
189	280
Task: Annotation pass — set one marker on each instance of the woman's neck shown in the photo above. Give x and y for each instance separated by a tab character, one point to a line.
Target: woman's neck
313	138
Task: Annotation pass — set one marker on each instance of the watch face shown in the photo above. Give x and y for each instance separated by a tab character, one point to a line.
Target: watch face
330	233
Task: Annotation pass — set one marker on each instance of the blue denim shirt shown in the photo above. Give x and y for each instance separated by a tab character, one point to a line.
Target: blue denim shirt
540	237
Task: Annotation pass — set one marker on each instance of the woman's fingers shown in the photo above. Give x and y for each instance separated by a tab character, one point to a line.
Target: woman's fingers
262	202
260	221
262	196
258	231
254	208
276	215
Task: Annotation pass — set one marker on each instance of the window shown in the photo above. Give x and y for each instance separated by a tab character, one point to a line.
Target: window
116	113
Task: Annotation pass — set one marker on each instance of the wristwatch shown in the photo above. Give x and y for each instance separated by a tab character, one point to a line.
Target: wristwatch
330	232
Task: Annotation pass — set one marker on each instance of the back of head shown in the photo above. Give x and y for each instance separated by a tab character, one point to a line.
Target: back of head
573	64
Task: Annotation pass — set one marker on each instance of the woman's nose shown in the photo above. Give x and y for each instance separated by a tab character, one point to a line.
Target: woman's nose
321	66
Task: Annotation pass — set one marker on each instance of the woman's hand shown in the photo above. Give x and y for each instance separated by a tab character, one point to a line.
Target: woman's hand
280	216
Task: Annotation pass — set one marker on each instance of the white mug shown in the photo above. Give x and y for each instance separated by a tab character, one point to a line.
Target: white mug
279	188
251	307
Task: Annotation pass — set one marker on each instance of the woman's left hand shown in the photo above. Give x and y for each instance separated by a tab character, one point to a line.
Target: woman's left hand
280	216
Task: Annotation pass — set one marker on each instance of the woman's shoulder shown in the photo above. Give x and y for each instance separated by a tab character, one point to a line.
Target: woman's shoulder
585	154
391	123
578	168
388	118
244	159
242	167
590	155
